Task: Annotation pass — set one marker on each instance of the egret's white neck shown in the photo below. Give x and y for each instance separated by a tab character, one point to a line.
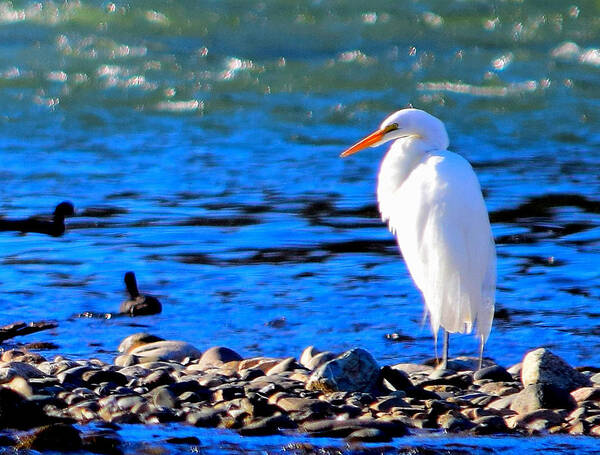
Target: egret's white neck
401	159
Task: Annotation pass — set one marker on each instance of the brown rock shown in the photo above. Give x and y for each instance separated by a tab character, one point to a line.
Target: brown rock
586	394
578	427
500	389
292	404
217	356
283	366
385	404
502	403
20	385
540	419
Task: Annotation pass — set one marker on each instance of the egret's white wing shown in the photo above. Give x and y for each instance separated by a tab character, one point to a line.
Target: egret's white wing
442	227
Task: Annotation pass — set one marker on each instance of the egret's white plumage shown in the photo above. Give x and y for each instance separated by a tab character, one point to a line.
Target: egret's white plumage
432	202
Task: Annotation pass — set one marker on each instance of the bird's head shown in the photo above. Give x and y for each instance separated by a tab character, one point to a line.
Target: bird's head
63	210
405	123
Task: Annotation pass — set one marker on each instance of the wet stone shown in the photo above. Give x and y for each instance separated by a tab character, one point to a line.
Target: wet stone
395	379
251	373
102	442
208	418
285	365
488	425
217	356
163	397
56	437
227	392
541	396
495	373
387	403
541	366
454	424
100	376
369	435
355	370
537	420
267	426
157	378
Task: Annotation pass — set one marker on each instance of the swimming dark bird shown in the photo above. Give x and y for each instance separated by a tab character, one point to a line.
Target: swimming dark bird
138	304
54	226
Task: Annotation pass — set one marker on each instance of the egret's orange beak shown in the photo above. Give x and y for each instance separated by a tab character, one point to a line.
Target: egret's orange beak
371	139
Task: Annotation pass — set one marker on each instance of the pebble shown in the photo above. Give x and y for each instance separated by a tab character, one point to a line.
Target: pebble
217	356
541	366
354	370
348	396
541	396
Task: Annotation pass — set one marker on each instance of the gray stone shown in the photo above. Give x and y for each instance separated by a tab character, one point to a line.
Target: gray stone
163	397
206	418
165	351
10	370
543	367
99	376
542	396
156	379
502	403
538	420
53	368
354	371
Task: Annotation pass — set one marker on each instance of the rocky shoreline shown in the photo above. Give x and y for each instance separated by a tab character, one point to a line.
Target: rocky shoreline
320	394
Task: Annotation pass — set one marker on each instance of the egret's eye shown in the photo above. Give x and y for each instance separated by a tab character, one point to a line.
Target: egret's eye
390	127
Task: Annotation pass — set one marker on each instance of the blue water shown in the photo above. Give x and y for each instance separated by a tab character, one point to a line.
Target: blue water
211	131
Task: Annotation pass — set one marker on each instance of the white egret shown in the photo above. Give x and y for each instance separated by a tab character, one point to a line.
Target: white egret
432	202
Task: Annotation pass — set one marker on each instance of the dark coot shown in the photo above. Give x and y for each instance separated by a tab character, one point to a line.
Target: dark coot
138	304
54	226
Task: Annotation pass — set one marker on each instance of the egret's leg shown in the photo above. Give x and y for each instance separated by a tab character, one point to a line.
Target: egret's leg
480	354
444	363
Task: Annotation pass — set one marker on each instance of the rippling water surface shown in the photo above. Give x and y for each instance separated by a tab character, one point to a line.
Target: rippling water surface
199	142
